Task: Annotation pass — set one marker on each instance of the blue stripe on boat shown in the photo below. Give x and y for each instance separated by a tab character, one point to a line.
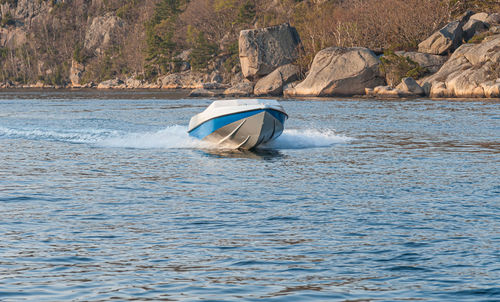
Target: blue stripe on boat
212	125
280	116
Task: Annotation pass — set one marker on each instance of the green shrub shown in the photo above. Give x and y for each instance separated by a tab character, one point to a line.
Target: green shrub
233	58
126	11
396	67
57	77
123	12
246	12
477	39
160	30
203	52
3	53
79	54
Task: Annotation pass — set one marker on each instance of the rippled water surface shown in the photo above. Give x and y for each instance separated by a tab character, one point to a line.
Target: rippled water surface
103	196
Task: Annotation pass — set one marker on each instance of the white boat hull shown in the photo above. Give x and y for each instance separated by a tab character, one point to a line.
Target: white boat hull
242	127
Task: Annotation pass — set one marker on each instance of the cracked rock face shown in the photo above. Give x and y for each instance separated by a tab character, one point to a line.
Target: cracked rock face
443	41
103	32
447	39
472	71
261	51
273	83
340	71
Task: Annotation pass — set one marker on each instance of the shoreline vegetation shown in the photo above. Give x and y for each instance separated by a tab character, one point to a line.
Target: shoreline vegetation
291	48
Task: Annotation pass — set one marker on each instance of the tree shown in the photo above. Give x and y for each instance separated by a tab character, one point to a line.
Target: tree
203	50
160	37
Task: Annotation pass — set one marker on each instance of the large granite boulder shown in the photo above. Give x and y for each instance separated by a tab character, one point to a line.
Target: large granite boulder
263	50
410	87
447	39
443	41
425	60
340	71
103	32
472	71
273	83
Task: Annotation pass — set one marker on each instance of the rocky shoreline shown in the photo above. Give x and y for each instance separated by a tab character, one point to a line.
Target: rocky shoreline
461	60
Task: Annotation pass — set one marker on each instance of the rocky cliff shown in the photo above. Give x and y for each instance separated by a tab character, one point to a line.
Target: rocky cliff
218	47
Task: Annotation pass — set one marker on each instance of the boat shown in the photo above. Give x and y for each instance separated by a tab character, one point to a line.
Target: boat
239	124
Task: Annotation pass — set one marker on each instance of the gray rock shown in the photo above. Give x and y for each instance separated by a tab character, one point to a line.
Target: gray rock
443	41
480	17
13	37
340	71
27	9
273	83
215	85
202	92
291	85
240	89
7	84
263	50
409	86
493	19
447	39
425	60
215	77
470	72
488	19
427	88
473	27
384	91
184	55
133	83
181	61
182	80
236	78
75	73
491	89
111	84
103	32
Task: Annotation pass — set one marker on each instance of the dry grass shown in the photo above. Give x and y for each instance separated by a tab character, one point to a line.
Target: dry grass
376	24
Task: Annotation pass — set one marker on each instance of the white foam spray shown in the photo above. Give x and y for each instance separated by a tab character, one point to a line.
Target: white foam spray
171	137
309	138
168	138
71	135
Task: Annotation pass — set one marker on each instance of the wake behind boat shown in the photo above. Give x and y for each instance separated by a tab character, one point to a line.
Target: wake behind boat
239	124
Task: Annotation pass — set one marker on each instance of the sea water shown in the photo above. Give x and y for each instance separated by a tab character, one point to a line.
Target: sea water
104	196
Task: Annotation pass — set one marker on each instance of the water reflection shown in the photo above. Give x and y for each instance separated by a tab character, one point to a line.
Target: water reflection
261	154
